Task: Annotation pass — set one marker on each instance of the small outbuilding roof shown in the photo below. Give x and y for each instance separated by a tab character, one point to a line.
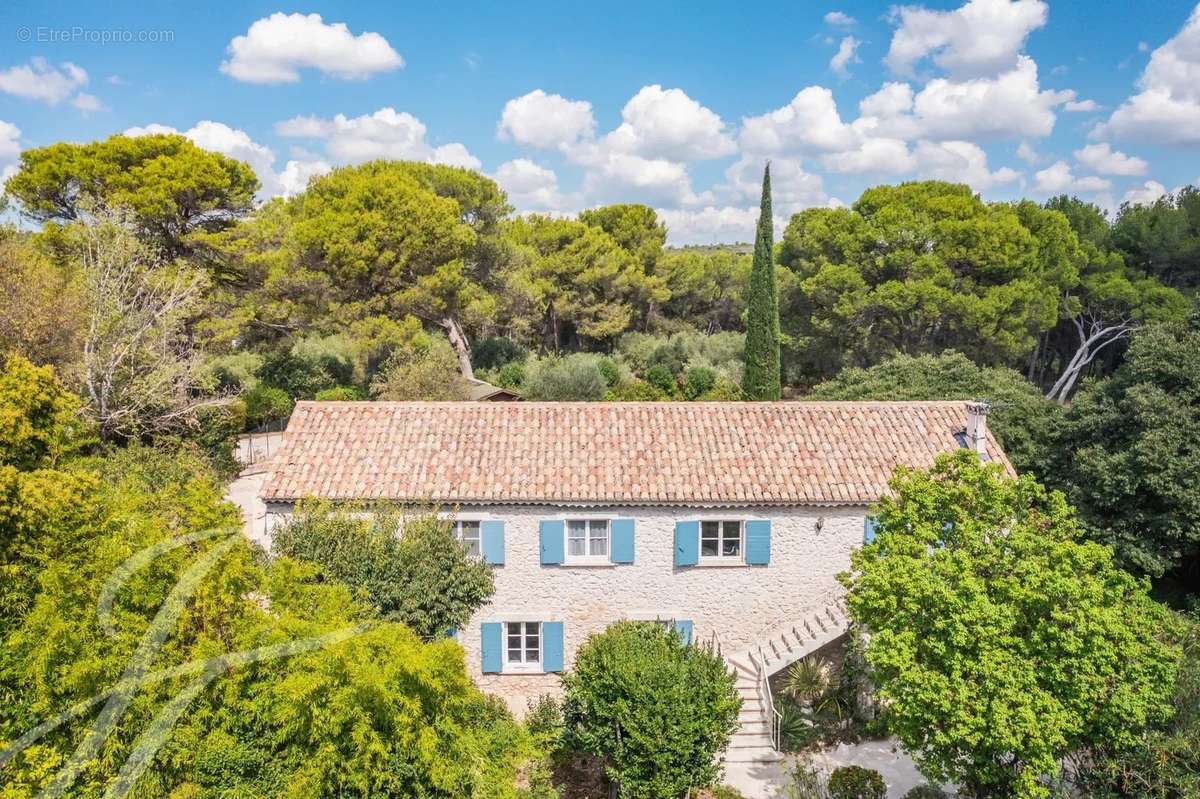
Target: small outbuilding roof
611	453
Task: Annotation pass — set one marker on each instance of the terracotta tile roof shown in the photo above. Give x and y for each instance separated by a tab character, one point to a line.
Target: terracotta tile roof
657	453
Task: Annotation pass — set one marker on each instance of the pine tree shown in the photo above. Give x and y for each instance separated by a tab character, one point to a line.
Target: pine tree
760	378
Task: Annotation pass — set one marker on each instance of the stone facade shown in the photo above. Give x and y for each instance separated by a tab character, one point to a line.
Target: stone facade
741	604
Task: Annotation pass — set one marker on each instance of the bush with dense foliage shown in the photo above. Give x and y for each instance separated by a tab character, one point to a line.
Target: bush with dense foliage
925	792
615	709
373	712
574	377
1024	421
856	782
266	404
954	591
410	567
426	369
1164	762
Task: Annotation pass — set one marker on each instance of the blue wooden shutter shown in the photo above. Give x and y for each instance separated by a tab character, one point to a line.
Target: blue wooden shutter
687	543
758	542
683	628
622	540
552	646
491	641
550	535
491	541
869	526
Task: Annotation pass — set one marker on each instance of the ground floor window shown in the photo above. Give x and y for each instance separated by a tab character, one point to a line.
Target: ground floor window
468	534
524	642
721	539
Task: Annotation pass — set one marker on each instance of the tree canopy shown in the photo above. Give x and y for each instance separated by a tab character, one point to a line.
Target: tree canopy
761	378
170	185
1002	641
1130	452
921	267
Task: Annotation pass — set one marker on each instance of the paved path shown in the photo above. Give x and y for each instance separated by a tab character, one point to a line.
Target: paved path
244	492
770	780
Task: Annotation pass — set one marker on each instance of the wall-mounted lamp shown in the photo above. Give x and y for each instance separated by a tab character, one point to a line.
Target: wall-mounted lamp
820	523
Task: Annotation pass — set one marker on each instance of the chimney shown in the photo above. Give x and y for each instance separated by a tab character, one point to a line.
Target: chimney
976	431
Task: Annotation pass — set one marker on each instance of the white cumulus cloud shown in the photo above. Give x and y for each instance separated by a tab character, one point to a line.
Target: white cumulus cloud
1081	106
387	133
276	48
1102	159
530	187
980	38
1145	194
538	119
810	123
40	80
1058	178
1010	105
846	54
1167	110
960	162
839	19
666	123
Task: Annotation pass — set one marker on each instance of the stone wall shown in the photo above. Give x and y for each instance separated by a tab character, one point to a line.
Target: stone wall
740	604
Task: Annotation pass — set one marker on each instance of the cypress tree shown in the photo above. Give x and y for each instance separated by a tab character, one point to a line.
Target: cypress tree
760	377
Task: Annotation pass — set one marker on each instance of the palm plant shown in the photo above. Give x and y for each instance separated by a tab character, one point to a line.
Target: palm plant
808	680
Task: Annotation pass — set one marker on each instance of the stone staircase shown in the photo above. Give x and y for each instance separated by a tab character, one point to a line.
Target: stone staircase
752	756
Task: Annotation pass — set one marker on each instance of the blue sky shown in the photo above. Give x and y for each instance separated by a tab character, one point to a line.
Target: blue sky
673	104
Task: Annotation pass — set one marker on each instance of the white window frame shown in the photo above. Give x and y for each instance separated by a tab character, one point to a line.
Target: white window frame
721	559
523	665
457	529
588	559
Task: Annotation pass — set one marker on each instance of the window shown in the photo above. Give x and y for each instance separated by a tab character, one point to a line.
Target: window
721	539
587	538
524	644
468	533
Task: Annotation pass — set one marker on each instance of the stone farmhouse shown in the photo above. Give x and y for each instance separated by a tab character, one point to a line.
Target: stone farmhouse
728	521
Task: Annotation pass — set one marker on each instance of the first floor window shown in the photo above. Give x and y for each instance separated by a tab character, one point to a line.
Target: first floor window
587	538
721	539
468	533
524	641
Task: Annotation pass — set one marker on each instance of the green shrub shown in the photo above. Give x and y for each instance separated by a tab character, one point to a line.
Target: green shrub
340	394
806	781
856	782
635	390
575	377
217	429
424	578
661	378
726	792
725	390
797	731
494	352
544	720
658	711
511	375
610	370
925	792
236	371
697	381
266	404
